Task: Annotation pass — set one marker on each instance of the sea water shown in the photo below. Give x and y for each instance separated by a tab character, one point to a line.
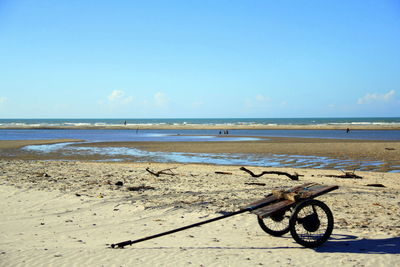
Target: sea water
108	135
201	121
193	135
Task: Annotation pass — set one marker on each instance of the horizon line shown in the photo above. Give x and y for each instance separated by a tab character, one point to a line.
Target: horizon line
205	118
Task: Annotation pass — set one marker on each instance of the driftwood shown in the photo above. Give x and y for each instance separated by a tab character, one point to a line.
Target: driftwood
227	173
260	184
140	188
165	171
376	185
352	175
294	176
42	174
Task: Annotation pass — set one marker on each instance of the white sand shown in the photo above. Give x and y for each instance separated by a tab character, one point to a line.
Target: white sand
68	213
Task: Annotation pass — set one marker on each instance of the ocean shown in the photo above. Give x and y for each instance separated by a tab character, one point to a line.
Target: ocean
200	121
193	135
95	135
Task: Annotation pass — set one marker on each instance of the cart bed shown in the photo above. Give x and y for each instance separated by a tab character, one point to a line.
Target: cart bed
276	203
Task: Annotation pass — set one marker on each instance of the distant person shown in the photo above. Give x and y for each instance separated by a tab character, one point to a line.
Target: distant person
347	130
125	123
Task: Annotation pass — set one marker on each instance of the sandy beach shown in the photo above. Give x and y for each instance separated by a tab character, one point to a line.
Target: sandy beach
68	213
67	210
276	122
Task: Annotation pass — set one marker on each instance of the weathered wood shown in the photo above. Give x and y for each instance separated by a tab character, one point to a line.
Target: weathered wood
294	176
284	199
272	208
165	171
260	184
227	173
268	199
140	188
351	175
376	185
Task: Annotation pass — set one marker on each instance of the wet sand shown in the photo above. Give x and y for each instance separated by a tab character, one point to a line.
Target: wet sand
337	148
387	152
16	144
362	150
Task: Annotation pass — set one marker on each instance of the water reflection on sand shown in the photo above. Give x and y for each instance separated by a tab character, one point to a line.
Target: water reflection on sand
267	160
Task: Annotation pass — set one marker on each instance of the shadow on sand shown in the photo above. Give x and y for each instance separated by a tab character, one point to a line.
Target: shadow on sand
352	244
336	244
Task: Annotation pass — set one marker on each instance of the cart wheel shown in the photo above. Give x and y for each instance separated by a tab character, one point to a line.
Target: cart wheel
311	223
276	225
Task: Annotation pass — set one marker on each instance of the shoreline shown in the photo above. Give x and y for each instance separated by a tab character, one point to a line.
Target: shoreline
16	144
214	127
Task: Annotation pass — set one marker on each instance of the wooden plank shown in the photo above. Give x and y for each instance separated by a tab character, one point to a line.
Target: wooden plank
270	209
316	190
285	198
292	196
310	190
271	198
268	199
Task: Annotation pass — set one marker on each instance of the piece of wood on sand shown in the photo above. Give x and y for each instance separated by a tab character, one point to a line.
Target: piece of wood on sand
351	175
294	176
165	172
226	173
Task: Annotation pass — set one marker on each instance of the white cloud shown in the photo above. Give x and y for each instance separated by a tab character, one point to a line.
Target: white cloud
3	100
374	98
116	94
119	96
259	101
161	99
261	98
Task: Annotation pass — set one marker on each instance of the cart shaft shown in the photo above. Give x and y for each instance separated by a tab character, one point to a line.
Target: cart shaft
130	242
248	208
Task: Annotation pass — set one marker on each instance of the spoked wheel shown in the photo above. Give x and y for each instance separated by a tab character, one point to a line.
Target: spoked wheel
276	224
311	223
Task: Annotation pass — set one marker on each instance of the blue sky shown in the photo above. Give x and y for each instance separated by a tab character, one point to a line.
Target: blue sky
200	59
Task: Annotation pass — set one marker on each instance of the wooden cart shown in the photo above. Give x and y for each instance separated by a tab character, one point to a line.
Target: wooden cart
309	221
